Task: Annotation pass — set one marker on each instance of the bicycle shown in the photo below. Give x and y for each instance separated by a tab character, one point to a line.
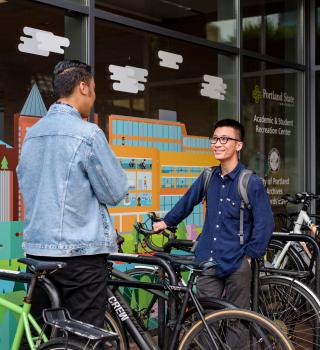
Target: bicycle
56	317
211	329
294	255
289	303
299	299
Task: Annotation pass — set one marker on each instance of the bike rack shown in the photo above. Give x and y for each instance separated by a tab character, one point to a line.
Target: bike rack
315	259
173	280
149	260
285	237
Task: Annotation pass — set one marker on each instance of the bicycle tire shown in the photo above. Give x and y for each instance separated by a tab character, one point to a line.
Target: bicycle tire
113	324
292	261
262	333
60	344
209	305
294	307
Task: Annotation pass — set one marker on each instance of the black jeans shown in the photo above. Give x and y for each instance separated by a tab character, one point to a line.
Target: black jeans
82	286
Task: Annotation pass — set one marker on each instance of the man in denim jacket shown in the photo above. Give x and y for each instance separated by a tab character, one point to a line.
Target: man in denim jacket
68	175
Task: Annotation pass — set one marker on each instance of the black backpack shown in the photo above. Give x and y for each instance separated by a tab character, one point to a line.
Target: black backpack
242	189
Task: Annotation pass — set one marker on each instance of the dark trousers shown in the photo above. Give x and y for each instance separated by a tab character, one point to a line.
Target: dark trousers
82	286
236	289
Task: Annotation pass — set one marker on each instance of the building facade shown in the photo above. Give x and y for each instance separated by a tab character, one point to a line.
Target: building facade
166	71
188	62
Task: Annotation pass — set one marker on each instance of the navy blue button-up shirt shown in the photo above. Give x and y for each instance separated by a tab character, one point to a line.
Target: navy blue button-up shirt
220	235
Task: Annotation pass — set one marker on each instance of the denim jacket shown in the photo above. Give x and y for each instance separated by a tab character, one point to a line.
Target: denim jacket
68	174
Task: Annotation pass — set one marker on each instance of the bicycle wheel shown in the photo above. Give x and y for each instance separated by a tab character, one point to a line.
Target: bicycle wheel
209	305
112	324
292	260
235	330
294	307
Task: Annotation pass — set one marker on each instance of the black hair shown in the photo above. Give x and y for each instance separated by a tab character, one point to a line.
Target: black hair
67	75
232	124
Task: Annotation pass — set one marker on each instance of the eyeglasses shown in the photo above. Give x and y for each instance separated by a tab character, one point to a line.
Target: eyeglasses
223	140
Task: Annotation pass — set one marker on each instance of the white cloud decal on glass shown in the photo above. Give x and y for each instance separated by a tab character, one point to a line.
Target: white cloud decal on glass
130	79
169	59
41	42
213	87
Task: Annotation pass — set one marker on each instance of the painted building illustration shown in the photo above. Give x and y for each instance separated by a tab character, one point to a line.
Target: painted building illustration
11	210
158	157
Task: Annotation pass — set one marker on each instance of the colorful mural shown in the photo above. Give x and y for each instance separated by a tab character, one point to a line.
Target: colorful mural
159	159
11	211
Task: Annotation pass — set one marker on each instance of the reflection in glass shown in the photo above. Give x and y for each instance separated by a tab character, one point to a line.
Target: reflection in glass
213	20
273	28
317	43
176	90
273	120
318	136
19	70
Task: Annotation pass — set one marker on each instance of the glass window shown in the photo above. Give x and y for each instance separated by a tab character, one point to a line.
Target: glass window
317	12
161	78
22	63
318	134
273	27
213	20
273	118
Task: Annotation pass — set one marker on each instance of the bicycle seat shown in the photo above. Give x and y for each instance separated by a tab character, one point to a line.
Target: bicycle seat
188	261
40	265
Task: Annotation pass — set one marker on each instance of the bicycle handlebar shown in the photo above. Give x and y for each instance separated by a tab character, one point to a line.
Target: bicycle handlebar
155	218
172	242
300	197
147	236
146	232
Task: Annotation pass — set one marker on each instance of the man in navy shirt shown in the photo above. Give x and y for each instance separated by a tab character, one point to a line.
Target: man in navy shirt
220	240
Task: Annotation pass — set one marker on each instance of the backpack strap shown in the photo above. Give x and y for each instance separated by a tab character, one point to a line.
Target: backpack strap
207	174
242	189
243	185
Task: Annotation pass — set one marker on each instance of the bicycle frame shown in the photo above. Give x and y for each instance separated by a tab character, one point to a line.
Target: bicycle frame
302	218
125	315
24	322
315	259
25	319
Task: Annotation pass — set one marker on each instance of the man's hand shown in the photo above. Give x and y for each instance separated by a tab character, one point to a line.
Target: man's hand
159	226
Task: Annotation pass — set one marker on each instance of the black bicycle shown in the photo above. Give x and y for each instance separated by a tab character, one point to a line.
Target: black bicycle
277	294
187	325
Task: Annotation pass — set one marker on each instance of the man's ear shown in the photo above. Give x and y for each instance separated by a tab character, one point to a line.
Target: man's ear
84	88
239	146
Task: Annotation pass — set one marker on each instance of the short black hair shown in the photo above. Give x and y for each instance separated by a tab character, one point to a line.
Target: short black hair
67	75
232	124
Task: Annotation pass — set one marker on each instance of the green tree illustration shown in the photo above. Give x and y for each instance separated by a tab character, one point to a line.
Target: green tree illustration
4	164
